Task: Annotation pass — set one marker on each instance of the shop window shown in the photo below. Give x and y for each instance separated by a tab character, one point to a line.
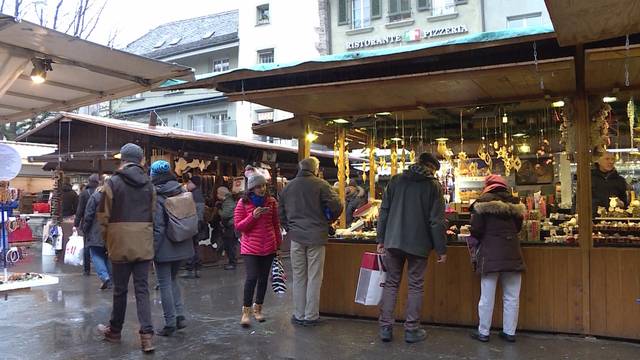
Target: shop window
399	10
443	7
520	21
262	14
220	65
265	56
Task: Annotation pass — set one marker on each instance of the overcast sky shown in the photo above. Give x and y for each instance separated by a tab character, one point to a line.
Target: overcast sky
133	18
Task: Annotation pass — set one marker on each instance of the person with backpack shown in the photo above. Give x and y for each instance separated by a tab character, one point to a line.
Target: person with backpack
94	243
256	217
175	224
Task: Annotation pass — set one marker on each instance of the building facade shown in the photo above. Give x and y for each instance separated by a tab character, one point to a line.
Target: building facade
254	32
509	14
373	24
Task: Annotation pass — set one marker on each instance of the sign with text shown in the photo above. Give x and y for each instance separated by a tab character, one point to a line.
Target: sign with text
410	36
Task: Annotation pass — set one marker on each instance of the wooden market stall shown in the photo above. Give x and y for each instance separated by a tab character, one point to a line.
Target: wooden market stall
571	287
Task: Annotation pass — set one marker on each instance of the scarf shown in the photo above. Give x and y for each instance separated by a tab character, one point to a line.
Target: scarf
258	201
420	169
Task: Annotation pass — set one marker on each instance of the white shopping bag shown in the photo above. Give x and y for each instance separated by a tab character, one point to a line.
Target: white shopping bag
74	253
371	280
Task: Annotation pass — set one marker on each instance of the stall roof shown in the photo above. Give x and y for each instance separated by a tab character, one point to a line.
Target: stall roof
586	21
161	132
83	72
292	128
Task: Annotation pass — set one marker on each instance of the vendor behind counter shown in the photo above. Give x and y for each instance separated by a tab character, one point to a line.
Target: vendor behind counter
607	183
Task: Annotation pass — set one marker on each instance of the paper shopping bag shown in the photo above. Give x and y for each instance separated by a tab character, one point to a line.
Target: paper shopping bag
371	279
74	252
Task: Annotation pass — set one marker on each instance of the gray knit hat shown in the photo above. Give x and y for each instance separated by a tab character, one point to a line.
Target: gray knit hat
255	180
131	153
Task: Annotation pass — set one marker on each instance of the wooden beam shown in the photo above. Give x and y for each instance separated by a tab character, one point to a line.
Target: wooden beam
11	107
342	175
61	60
584	195
31	97
65	86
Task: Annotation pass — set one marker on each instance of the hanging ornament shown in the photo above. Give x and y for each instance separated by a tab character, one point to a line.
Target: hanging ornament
631	113
412	156
403	160
347	171
600	129
336	153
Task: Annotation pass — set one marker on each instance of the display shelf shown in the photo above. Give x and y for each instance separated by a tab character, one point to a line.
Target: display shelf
19	285
616	219
597	244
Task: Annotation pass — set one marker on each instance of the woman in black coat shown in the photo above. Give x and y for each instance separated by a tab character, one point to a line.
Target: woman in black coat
496	220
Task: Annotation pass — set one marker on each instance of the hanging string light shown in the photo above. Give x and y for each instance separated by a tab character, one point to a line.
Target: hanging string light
535	60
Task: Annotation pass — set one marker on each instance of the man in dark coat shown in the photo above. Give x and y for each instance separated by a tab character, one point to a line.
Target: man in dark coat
69	200
227	205
411	223
195	264
94	181
607	183
94	243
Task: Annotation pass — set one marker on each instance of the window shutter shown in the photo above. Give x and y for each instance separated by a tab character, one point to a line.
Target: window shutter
424	5
460	2
376	9
343	12
393	7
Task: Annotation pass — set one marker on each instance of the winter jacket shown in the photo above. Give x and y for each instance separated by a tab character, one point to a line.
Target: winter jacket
69	201
302	208
227	213
496	220
354	202
82	205
165	249
199	199
606	185
90	225
260	236
126	215
411	217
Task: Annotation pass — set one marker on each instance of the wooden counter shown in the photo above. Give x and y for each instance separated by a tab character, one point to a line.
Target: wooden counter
550	300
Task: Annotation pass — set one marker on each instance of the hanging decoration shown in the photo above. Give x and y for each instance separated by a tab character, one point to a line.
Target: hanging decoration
347	171
482	152
463	159
631	113
600	140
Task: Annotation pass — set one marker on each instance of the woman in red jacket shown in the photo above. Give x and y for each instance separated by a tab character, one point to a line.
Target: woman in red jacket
256	217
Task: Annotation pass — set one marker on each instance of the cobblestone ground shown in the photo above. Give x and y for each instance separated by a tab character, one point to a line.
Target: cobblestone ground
58	322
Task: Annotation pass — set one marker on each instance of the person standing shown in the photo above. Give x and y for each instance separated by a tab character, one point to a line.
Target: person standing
411	223
227	205
169	255
92	184
356	197
496	220
126	222
195	264
94	243
256	217
607	183
303	205
69	199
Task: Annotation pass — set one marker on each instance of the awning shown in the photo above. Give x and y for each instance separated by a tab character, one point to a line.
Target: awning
292	128
586	21
84	73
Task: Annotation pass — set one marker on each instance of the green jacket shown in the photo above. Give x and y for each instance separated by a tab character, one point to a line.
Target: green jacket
226	213
411	216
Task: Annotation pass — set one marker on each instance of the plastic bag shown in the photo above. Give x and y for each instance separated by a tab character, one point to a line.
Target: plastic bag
74	252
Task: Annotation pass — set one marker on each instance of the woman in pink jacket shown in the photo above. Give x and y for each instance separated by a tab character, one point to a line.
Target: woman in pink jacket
256	217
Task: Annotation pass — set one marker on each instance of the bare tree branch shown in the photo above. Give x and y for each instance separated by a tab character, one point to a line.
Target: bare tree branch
95	19
17	10
2	6
112	38
56	14
37	7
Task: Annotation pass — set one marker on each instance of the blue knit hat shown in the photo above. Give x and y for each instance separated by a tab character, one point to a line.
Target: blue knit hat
160	167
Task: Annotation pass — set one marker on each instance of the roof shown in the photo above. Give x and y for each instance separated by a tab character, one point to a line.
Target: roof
166	132
187	35
586	21
26	149
84	73
368	56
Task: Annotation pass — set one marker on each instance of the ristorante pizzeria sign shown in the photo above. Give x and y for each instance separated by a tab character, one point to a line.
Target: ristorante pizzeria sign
409	36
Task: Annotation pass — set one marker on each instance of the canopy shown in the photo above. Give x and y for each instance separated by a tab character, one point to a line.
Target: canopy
83	72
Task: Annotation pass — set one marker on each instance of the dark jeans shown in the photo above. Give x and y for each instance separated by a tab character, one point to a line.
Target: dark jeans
121	274
394	261
87	257
172	305
195	263
258	269
231	248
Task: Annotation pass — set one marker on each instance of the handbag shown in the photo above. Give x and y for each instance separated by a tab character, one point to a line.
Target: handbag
371	279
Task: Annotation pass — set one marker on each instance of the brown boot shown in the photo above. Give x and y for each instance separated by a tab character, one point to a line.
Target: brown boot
146	342
246	316
257	312
109	334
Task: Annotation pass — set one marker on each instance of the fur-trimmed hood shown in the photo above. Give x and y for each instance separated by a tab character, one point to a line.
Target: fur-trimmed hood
499	207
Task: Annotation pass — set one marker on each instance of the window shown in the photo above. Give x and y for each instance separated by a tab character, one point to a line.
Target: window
220	65
264	116
424	5
443	7
520	21
214	122
135	97
265	56
361	14
262	14
399	10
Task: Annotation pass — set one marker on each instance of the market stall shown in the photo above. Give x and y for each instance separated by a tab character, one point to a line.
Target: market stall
513	102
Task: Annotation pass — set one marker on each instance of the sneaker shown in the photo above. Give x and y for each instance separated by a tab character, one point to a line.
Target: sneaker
181	322
166	331
109	334
296	321
506	337
415	336
230	267
311	323
386	333
477	336
106	285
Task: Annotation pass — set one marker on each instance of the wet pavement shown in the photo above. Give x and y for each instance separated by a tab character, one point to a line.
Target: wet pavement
58	322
